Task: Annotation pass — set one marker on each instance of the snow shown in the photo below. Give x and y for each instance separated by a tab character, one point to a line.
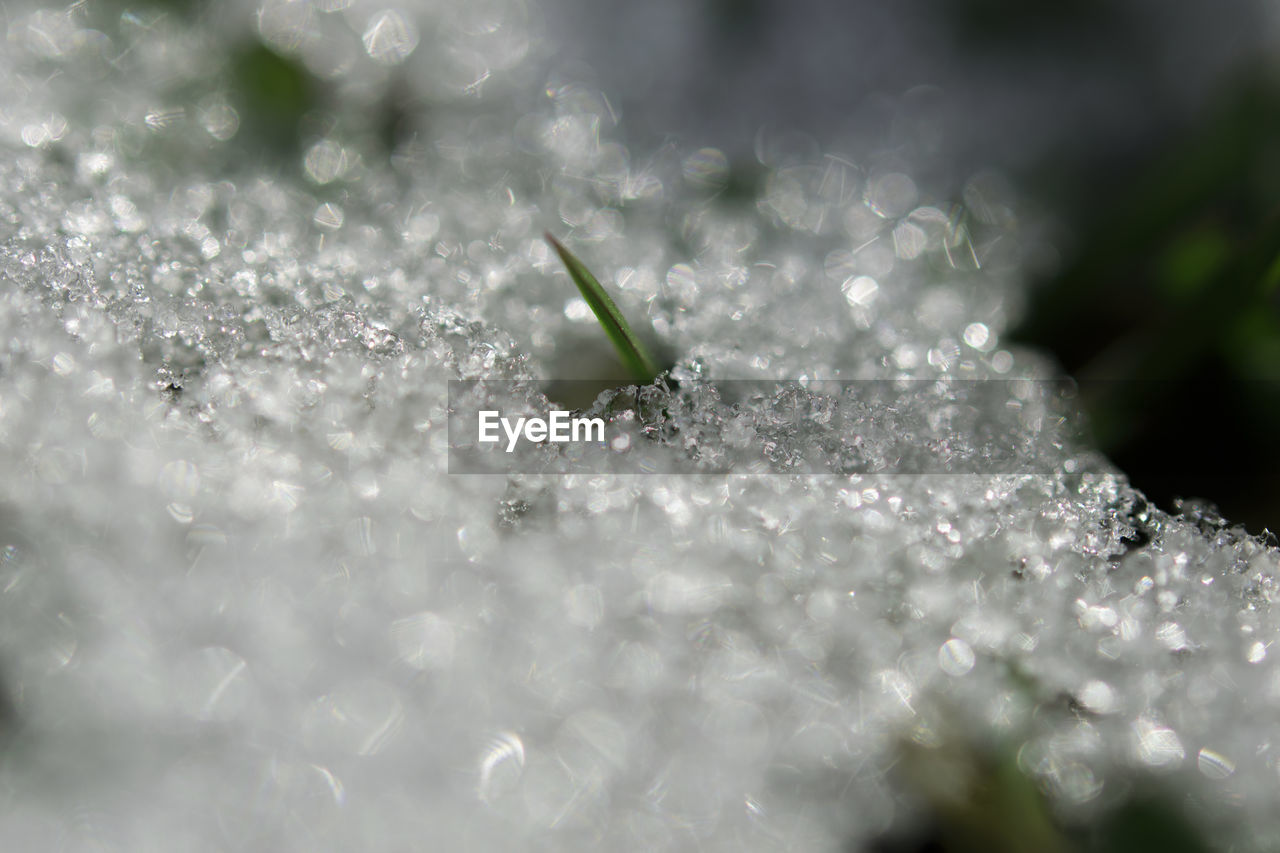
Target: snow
245	605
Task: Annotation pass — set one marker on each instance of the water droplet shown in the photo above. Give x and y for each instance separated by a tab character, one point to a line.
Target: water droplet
163	119
1157	745
707	167
501	766
909	240
577	310
860	291
328	217
390	38
892	195
1098	697
63	364
219	119
1172	636
1214	765
978	336
325	162
955	657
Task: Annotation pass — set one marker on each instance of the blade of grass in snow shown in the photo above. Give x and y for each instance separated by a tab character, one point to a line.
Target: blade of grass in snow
633	353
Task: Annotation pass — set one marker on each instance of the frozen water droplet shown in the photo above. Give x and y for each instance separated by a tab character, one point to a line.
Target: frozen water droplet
390	37
840	264
220	120
909	240
1214	765
63	364
577	310
1172	636
707	167
328	217
501	766
1157	745
955	657
285	23
892	195
165	118
325	162
978	336
1098	697
860	291
181	513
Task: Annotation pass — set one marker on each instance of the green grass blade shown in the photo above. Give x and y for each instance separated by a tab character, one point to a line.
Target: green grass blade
633	353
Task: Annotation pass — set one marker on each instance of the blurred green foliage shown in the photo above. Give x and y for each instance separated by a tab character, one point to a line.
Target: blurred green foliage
273	93
1167	308
1147	822
977	800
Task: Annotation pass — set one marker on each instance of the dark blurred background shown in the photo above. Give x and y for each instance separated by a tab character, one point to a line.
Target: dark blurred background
1147	134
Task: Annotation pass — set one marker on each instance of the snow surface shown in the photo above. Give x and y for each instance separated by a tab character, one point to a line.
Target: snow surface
244	606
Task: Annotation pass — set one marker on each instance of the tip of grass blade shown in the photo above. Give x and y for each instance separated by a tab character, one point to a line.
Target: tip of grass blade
633	353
